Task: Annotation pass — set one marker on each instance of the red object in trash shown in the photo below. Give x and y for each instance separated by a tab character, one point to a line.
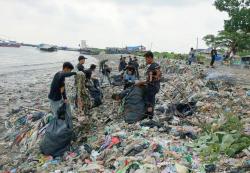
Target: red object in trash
114	140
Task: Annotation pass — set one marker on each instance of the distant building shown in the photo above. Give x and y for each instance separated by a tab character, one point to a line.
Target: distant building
126	50
116	50
83	44
132	49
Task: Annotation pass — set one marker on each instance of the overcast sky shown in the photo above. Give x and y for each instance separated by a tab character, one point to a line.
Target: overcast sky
170	25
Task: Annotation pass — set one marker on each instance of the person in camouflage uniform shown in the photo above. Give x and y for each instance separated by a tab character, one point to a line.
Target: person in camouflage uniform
84	102
78	94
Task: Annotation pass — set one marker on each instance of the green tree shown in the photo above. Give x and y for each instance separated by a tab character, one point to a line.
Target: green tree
236	33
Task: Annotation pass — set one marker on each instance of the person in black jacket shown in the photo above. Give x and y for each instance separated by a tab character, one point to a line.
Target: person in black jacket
57	94
122	64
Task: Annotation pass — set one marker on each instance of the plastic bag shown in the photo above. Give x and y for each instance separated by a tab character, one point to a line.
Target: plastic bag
58	135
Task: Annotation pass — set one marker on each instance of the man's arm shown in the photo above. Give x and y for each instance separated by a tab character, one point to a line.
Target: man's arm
67	74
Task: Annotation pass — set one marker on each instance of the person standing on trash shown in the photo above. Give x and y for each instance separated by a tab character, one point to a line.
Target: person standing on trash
57	94
191	56
130	59
81	61
136	65
106	73
213	56
122	64
151	84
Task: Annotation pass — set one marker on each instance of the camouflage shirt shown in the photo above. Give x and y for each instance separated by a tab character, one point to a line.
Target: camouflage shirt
82	91
76	90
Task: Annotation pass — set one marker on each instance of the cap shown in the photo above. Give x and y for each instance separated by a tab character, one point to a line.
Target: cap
81	57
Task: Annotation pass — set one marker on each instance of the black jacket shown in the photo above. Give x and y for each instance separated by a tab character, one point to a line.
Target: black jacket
57	83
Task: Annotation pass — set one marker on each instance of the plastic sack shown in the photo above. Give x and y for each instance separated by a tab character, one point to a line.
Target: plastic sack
134	106
58	135
96	94
61	111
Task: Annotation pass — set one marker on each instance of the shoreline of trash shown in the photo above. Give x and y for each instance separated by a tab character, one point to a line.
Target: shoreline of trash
183	137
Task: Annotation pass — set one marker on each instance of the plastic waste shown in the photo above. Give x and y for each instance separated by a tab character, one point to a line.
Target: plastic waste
210	168
137	149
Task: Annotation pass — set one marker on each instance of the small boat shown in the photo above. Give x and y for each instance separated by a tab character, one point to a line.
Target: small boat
47	48
88	51
8	43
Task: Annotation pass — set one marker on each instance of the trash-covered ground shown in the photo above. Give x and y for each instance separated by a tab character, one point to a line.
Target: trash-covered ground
201	124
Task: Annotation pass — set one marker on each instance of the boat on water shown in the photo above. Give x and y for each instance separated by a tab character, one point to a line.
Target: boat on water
47	48
8	43
88	51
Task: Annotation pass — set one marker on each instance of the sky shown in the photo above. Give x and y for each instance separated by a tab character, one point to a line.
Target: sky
163	25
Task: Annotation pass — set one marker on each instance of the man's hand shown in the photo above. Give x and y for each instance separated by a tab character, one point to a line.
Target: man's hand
150	109
79	103
140	83
65	101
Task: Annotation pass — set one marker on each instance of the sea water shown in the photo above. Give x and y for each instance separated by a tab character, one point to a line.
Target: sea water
15	60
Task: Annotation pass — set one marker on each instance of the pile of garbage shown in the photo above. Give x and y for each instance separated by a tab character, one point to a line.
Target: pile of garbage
201	124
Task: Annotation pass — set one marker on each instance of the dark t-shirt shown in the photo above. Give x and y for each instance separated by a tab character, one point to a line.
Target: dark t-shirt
57	83
122	65
213	53
80	67
136	65
154	66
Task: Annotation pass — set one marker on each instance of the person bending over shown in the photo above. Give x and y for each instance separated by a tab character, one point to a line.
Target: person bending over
57	94
129	77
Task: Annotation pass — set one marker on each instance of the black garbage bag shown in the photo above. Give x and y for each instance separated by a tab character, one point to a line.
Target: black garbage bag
96	94
186	109
210	168
61	112
58	135
181	109
134	105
